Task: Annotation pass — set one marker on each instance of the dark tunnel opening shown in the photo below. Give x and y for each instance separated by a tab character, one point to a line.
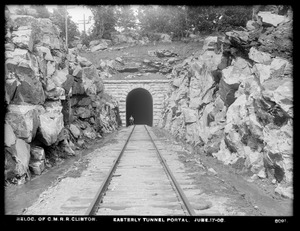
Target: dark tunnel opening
139	104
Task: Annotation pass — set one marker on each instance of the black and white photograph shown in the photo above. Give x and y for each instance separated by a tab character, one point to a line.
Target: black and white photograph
148	113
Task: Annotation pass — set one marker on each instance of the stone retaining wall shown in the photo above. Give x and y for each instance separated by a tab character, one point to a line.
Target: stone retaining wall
119	89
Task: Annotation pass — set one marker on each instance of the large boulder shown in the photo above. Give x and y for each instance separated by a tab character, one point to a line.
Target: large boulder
75	130
279	143
83	112
280	67
37	153
259	56
224	155
29	31
279	41
89	132
44	52
17	55
67	85
24	120
17	160
50	68
22	20
77	87
165	38
192	134
10	88
252	25
280	92
37	160
94	43
37	166
238	36
22	78
60	77
263	71
77	72
22	154
91	82
190	115
53	107
102	45
50	126
9	135
57	93
84	62
210	43
9	46
270	19
47	34
23	38
29	91
232	77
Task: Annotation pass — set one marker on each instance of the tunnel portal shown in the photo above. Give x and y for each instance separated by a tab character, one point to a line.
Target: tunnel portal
139	104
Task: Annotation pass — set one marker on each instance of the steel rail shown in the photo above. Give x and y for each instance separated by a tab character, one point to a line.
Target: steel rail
187	204
93	205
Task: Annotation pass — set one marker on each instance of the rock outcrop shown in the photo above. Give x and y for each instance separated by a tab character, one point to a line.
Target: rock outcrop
235	101
48	94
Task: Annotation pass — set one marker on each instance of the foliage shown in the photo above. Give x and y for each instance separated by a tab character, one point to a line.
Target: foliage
38	11
235	16
220	18
42	11
86	39
105	21
178	21
183	20
125	18
26	10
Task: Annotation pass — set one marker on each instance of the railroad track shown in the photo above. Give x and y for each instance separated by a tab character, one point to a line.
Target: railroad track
140	182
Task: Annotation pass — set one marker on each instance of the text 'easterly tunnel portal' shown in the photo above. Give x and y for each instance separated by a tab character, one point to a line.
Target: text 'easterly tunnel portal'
139	104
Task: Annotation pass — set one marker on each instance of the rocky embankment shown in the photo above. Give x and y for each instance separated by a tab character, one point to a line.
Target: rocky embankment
55	100
235	100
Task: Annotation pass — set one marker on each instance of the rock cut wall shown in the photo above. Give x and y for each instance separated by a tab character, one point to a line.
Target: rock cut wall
235	100
54	99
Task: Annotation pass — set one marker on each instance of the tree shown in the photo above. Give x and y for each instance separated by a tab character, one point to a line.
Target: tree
164	19
42	11
235	16
58	18
125	18
216	18
105	21
38	11
26	10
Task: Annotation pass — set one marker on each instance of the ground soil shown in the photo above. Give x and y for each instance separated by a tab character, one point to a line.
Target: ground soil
138	53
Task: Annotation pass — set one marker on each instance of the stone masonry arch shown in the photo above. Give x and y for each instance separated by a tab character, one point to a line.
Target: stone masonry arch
139	104
120	89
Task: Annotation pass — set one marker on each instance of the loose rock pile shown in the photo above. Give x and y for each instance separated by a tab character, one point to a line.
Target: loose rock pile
162	63
126	38
47	91
235	101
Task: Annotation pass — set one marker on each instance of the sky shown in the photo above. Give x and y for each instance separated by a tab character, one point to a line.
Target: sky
77	12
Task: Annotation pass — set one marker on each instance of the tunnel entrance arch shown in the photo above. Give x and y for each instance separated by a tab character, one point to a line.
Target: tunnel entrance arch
139	104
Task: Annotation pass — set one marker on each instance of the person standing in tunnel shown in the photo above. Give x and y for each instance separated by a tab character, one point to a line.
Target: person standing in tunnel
131	120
